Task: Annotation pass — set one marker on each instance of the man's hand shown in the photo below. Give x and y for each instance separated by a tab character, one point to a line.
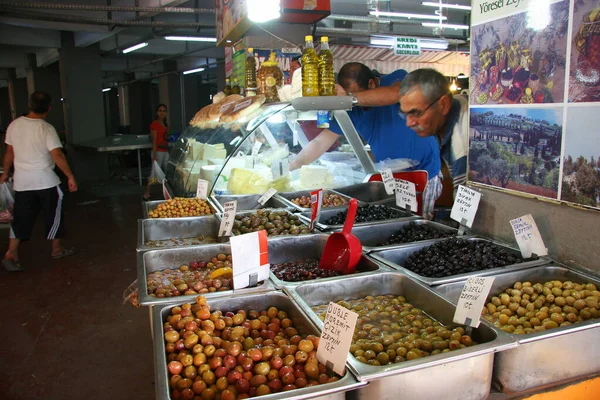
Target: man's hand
4	177
72	184
339	90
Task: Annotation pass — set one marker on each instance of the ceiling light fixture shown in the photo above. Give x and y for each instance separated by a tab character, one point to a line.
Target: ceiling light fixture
191	38
134	48
193	71
447	26
263	10
106	89
407	15
454	6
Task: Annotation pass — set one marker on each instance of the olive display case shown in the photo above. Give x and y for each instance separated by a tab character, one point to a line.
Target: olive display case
246	202
163	229
148	206
286	198
548	357
328	213
285	210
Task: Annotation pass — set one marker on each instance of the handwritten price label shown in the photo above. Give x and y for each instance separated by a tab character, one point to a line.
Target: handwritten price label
471	300
226	226
388	180
465	206
202	190
336	337
406	195
528	236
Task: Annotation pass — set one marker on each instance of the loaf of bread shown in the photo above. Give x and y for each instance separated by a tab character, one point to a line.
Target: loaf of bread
242	108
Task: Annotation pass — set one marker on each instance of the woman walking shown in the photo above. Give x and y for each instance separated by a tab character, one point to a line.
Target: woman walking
160	148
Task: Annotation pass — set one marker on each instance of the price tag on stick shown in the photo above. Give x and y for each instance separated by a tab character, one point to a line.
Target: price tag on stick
280	168
528	236
262	200
202	190
406	195
250	259
388	180
316	199
471	300
336	337
465	207
256	148
227	218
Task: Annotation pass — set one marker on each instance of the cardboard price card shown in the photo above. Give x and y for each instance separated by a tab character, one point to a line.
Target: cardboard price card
471	300
465	206
336	337
388	180
250	259
528	236
406	195
202	190
226	226
266	196
316	199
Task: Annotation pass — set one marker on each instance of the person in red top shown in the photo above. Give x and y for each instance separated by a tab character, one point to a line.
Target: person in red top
160	146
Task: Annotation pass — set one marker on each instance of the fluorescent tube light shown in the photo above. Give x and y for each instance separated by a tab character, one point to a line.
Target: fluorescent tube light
434	45
454	6
263	10
447	26
193	71
134	48
106	89
407	15
192	38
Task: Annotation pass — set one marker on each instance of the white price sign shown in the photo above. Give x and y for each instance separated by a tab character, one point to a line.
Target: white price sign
256	149
406	195
336	337
471	300
266	196
202	190
250	259
465	206
280	168
528	236
226	226
316	199
388	180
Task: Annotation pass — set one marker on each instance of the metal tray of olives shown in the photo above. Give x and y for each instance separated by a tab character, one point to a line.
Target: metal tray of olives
548	357
286	249
460	374
328	213
148	206
287	198
287	211
176	230
156	260
371	236
395	259
368	192
327	391
246	202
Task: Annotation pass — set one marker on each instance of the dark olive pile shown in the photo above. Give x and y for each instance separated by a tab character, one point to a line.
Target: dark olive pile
459	256
274	222
414	233
367	213
303	270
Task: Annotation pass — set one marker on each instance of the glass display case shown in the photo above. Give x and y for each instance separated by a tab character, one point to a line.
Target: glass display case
253	157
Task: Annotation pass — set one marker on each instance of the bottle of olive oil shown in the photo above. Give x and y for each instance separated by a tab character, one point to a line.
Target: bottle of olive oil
310	69
251	84
326	75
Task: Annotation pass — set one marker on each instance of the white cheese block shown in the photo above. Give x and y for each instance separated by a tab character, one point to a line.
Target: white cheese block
314	176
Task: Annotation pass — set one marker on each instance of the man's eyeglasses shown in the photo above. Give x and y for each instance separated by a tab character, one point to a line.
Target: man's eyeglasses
416	113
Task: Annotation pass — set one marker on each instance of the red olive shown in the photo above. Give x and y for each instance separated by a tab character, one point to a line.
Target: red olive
175	367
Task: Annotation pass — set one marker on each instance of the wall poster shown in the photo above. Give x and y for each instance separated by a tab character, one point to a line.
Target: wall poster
536	73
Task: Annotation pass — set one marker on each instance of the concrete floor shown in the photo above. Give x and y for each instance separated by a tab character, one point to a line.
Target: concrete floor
66	333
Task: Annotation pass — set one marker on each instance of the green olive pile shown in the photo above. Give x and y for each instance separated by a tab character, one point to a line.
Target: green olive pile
228	356
528	308
273	221
390	330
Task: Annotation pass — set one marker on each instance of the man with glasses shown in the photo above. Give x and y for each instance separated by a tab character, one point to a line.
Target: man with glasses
430	110
377	120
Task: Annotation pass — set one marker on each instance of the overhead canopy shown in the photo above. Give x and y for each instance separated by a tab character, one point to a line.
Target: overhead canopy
449	63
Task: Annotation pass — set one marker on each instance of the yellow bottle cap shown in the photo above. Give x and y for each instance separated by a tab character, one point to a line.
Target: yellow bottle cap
308	38
250	49
324	39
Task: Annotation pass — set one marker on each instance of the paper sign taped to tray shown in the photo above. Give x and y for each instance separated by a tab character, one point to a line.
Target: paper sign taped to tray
250	259
528	236
336	337
202	190
465	206
406	195
388	180
226	226
472	299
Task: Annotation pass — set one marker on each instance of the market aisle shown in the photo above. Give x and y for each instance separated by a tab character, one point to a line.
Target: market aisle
65	332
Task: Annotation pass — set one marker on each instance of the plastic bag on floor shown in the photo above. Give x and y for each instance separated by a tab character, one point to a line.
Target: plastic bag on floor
131	294
7	202
157	175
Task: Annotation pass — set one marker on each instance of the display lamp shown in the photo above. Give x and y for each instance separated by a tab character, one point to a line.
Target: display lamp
134	48
442	5
263	10
193	71
407	15
446	26
192	38
453	86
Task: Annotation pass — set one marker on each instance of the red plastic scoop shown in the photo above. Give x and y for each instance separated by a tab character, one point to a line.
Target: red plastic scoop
343	250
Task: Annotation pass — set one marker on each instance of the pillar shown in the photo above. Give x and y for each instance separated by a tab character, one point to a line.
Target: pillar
141	109
47	80
170	94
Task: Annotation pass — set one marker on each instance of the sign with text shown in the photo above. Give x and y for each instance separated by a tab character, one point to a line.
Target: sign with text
388	180
406	195
471	300
316	199
266	196
250	259
336	337
528	236
490	10
465	206
407	46
166	194
226	226
202	189
280	168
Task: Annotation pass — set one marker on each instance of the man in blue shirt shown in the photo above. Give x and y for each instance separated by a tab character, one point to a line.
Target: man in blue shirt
377	121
